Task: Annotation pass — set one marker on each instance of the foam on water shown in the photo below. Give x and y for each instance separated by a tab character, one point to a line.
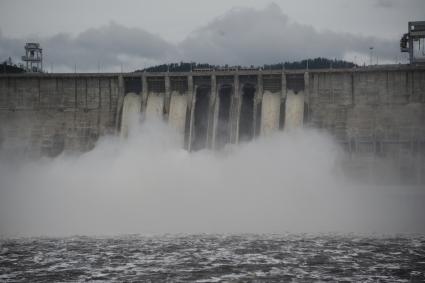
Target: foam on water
213	258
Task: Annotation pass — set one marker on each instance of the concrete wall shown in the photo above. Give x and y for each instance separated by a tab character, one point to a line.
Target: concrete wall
377	115
385	105
44	115
371	111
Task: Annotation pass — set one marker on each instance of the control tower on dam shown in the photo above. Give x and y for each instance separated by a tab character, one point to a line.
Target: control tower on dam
373	112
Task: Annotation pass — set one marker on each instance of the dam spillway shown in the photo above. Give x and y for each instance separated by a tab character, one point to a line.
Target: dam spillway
371	112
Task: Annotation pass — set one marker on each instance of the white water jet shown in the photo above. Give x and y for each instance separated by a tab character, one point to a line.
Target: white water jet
130	113
294	110
178	108
155	106
270	113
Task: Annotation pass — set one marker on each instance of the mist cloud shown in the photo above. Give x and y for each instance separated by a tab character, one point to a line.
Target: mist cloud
242	36
289	182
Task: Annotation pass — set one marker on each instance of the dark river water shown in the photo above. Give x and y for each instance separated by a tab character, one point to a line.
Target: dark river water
214	258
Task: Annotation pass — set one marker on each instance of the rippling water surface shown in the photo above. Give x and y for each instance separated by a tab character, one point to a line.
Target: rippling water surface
214	258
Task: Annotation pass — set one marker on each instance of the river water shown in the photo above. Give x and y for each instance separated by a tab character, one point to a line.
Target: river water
214	258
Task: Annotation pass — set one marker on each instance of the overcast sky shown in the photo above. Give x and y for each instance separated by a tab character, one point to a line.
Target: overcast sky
106	34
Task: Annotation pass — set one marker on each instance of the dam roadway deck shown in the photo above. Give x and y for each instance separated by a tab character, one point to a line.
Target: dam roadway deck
372	111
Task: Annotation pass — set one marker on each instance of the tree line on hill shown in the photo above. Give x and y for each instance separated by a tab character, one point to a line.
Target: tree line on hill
7	67
317	63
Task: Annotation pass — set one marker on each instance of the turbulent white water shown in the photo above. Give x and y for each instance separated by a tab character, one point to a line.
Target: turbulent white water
149	184
130	113
294	111
155	106
270	113
178	108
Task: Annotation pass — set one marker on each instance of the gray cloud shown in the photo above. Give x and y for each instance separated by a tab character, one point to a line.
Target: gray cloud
384	3
109	46
249	36
242	36
10	47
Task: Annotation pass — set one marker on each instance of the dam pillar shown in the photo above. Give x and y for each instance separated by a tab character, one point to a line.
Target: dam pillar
235	111
306	111
212	113
189	113
192	103
222	114
282	102
215	120
120	103
246	112
201	108
258	105
144	93
167	96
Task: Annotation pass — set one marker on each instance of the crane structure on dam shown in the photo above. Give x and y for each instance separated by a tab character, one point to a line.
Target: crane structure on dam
33	57
413	42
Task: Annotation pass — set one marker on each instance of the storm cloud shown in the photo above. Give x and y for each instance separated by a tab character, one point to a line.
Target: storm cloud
242	36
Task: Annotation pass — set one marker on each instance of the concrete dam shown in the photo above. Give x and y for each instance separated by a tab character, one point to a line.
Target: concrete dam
374	112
